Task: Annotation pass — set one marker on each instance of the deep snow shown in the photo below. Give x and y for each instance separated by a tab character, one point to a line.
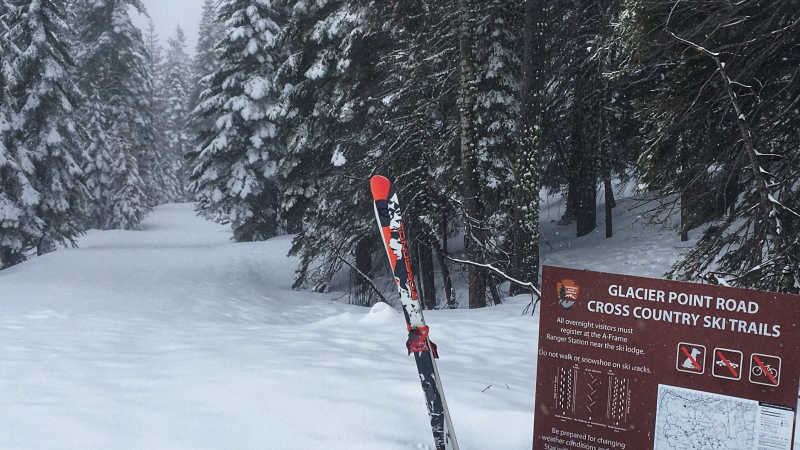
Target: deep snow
176	338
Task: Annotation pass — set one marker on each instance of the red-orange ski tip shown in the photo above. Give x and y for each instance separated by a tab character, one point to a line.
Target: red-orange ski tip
380	187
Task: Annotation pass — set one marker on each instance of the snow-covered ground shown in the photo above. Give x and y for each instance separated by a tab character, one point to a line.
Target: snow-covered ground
176	338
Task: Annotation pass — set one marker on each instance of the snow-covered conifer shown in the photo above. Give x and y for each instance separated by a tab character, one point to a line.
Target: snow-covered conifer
205	64
498	36
206	59
169	187
330	87
112	171
45	196
720	125
235	164
12	179
114	73
175	83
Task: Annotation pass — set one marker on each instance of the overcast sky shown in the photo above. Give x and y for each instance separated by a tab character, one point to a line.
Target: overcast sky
167	14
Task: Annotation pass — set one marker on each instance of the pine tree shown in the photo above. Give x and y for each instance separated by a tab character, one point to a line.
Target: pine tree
420	126
367	98
720	127
13	182
112	171
172	189
325	85
320	38
235	163
475	237
114	73
528	159
47	194
175	80
359	105
586	123
205	64
499	36
206	59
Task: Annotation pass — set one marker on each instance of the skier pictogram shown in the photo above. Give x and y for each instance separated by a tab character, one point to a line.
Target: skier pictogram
691	358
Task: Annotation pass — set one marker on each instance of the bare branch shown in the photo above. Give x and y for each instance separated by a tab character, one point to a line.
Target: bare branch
362	274
536	294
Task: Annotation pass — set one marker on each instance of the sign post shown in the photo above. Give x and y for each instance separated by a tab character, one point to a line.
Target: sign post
635	363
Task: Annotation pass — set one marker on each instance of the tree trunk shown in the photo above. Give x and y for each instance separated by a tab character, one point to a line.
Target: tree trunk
528	164
449	292
586	118
496	298
684	218
583	165
473	208
363	292
569	207
585	186
426	274
610	205
443	232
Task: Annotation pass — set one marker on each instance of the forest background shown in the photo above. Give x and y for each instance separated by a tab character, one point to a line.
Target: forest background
473	108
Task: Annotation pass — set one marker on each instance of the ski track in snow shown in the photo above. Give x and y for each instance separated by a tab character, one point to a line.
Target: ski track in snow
176	338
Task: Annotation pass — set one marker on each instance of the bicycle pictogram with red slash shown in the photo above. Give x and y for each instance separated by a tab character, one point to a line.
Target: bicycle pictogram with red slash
765	369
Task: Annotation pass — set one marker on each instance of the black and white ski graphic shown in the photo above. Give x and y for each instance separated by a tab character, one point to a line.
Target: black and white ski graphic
387	212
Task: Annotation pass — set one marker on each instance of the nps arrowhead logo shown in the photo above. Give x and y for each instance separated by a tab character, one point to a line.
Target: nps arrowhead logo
567	294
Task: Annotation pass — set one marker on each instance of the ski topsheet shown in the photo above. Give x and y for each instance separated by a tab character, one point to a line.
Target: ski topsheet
387	211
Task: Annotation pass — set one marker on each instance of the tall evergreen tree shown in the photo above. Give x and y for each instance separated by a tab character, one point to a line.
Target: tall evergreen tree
586	122
114	73
528	159
113	171
721	128
47	190
235	163
325	86
367	98
587	113
499	35
205	64
13	182
172	189
419	126
176	85
207	53
475	237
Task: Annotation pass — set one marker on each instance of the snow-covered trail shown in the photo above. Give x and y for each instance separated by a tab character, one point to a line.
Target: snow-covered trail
176	338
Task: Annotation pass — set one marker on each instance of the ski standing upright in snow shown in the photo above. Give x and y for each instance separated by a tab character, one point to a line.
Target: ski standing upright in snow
387	211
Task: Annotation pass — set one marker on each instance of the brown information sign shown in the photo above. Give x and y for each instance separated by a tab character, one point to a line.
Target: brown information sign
629	363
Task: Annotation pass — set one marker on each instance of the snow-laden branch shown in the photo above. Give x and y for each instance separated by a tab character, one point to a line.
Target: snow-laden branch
536	294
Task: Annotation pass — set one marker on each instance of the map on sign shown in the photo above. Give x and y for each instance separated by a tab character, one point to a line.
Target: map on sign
688	419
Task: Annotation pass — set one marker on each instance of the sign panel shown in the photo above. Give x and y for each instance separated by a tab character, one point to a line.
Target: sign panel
635	363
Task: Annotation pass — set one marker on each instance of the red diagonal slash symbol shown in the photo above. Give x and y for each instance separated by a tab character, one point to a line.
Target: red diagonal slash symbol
766	372
727	363
696	366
